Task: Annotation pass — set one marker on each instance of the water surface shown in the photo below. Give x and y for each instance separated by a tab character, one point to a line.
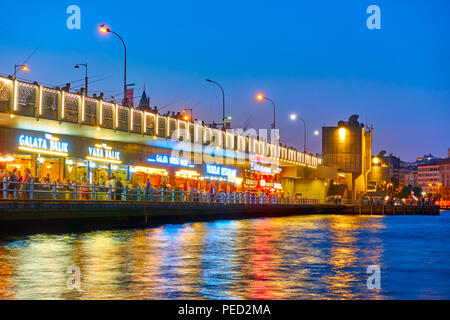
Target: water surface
305	257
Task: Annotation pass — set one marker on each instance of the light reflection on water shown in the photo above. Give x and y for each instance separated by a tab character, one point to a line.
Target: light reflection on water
307	257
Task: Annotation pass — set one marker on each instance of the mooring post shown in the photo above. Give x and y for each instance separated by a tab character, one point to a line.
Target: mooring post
5	188
93	192
32	190
138	196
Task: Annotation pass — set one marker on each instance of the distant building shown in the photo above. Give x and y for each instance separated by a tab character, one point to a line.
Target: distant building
444	189
385	170
429	177
408	177
144	103
348	148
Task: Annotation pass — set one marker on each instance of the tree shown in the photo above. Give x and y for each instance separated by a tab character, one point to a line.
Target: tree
406	191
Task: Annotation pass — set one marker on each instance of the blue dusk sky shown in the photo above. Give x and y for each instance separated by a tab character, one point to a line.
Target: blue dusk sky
315	58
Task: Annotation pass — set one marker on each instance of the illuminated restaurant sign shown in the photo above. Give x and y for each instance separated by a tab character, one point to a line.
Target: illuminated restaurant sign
104	153
45	145
257	167
175	161
221	171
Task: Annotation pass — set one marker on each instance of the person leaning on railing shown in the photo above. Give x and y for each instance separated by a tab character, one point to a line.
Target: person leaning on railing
119	186
12	184
148	186
25	187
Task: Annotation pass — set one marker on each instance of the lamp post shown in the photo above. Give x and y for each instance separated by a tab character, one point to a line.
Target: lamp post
85	76
295	117
261	97
104	29
23	67
223	100
185	111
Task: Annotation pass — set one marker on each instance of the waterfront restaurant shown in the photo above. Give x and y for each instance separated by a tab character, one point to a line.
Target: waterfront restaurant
43	154
221	178
62	159
264	178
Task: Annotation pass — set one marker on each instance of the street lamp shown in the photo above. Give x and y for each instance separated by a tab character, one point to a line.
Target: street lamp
186	117
261	97
223	99
23	67
85	76
295	117
104	29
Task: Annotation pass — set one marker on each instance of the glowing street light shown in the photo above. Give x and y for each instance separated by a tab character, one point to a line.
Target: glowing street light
295	117
186	117
261	97
316	133
104	29
22	67
342	133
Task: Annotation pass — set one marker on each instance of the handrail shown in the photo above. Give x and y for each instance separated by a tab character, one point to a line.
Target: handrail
52	191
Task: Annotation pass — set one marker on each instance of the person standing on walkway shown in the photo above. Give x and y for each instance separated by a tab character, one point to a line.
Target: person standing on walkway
119	186
148	186
27	177
12	184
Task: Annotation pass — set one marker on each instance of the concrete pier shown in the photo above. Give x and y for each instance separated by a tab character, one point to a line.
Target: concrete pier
48	215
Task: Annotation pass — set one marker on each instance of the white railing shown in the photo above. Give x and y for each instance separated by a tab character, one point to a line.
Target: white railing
91	192
42	102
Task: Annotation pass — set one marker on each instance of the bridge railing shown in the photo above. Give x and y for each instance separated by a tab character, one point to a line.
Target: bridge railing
90	192
34	100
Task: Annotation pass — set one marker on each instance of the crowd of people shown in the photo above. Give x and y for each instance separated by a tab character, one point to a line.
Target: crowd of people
16	183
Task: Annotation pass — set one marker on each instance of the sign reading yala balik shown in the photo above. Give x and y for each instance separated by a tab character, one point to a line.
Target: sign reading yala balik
103	152
221	171
46	144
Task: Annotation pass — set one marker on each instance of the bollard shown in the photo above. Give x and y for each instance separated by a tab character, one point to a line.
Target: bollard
93	192
151	194
5	188
125	188
32	190
138	193
54	190
109	193
182	195
173	195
